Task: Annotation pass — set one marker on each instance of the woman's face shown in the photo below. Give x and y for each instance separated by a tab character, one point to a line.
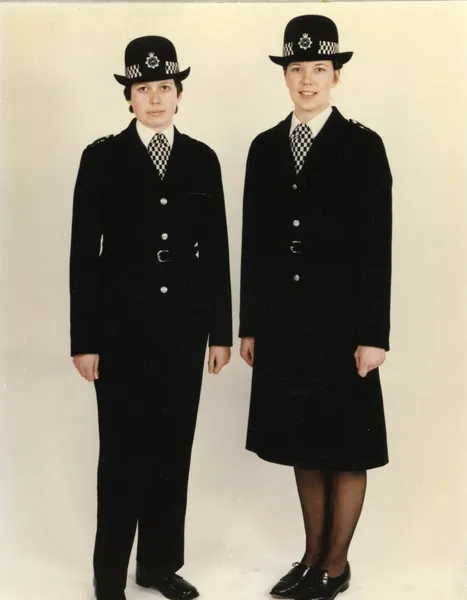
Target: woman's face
310	85
154	103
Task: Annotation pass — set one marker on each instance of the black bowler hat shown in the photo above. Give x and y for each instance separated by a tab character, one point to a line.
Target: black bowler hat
311	37
151	58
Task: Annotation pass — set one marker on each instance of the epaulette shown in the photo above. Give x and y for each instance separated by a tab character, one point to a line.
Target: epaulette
100	140
358	124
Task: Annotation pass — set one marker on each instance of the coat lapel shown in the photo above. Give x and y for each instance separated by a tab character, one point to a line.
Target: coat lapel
323	155
326	149
283	152
173	166
139	163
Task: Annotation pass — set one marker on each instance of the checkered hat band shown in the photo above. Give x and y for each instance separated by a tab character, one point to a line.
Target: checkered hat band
288	49
133	71
328	47
324	47
171	67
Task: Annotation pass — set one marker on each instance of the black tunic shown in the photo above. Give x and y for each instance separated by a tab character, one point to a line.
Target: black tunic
315	284
123	297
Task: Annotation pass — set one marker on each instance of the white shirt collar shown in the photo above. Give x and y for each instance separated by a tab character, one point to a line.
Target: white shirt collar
146	133
315	124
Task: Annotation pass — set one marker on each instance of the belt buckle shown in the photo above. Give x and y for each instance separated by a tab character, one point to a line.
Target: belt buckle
159	256
293	247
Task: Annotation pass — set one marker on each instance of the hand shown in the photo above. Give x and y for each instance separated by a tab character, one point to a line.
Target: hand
368	358
247	350
219	356
87	365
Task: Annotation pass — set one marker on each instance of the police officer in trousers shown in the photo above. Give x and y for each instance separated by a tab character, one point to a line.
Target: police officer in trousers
150	289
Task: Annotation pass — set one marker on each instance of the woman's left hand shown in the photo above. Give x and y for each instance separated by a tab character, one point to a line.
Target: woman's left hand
219	356
368	358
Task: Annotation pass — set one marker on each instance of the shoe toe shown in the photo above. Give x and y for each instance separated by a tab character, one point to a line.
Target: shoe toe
189	594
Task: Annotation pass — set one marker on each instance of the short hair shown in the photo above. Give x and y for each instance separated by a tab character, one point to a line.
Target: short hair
127	90
336	65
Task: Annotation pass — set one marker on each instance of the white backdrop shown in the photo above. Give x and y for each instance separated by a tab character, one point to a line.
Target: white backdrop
406	81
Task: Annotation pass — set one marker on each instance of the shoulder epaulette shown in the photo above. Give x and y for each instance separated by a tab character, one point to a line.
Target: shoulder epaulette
100	140
358	124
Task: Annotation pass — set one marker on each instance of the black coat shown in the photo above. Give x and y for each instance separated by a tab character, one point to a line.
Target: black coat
315	284
117	299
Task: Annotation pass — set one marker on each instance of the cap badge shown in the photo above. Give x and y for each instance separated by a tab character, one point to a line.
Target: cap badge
152	61
305	41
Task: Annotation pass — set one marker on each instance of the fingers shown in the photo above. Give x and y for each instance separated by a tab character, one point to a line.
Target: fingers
217	362
247	357
88	369
368	358
211	362
247	352
218	366
89	372
363	369
96	369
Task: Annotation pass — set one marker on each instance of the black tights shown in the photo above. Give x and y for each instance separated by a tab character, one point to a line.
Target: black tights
331	504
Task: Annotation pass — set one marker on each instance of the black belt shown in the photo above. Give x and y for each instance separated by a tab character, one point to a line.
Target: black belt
169	255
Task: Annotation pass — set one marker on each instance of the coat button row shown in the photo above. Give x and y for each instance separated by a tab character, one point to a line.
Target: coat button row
163	200
164	289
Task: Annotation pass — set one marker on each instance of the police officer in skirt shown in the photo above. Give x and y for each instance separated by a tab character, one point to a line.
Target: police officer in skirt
150	288
315	300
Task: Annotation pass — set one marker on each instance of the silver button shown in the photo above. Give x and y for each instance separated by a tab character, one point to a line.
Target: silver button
164	200
164	290
295	186
296	223
296	277
164	236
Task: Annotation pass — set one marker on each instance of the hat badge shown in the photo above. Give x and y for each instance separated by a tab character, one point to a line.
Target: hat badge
305	41
152	61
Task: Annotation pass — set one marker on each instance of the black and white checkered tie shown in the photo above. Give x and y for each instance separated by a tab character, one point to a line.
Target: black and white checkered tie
300	143
159	151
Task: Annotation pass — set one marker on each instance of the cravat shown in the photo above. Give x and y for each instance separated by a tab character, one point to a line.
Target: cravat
300	143
159	151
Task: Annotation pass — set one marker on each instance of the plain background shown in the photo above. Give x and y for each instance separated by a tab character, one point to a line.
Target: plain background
406	81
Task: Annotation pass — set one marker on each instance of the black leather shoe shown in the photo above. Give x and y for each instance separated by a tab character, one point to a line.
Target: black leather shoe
104	594
291	584
169	584
322	587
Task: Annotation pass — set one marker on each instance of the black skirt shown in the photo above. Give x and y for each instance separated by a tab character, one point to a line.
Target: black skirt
310	408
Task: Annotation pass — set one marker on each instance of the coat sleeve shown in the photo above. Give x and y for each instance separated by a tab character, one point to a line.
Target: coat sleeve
220	325
86	232
374	244
249	254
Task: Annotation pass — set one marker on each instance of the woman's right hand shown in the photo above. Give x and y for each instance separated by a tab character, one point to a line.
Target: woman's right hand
247	350
87	365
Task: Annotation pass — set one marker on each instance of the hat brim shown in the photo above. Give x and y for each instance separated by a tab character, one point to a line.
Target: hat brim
156	77
283	61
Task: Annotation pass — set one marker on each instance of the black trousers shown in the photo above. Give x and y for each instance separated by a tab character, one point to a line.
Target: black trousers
147	416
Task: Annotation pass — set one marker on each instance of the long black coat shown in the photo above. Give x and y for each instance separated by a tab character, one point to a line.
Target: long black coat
117	295
315	284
